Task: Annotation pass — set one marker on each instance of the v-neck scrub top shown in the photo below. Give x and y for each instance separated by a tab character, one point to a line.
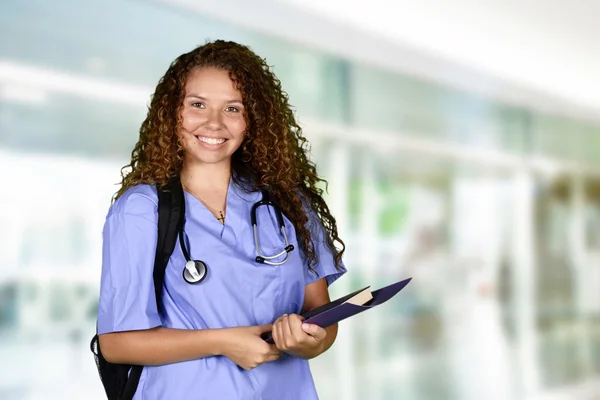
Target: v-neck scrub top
237	291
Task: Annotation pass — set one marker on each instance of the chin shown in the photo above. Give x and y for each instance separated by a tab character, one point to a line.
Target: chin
212	159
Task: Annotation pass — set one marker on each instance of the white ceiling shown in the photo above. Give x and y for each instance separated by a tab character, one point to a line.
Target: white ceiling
549	46
542	54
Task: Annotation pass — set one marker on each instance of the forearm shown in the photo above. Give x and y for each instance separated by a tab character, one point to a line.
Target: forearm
316	294
325	344
162	345
330	338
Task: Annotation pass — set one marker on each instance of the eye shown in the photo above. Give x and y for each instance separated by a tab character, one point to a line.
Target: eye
232	109
198	105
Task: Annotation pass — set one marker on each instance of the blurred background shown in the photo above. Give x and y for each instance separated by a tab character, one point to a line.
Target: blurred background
460	139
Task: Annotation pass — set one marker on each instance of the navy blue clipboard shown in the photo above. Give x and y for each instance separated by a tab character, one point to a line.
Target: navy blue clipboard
338	310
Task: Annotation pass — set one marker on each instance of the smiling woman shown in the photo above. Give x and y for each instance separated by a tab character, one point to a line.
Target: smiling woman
220	126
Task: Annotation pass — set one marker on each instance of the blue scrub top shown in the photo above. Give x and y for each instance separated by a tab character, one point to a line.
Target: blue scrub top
236	292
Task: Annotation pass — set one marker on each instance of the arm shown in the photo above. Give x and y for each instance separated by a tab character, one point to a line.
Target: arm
158	346
315	295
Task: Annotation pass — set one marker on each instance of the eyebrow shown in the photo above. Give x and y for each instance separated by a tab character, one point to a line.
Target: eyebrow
230	101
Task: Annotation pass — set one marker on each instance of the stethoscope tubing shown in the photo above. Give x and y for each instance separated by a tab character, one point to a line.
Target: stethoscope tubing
195	271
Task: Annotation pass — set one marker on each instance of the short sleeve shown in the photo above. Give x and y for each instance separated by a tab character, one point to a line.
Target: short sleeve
127	299
325	266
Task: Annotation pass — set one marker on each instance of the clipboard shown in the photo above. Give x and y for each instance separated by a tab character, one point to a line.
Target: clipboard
347	306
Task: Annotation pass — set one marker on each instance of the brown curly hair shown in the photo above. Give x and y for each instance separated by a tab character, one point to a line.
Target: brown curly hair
272	157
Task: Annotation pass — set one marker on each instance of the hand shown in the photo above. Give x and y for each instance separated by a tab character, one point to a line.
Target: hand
246	348
297	338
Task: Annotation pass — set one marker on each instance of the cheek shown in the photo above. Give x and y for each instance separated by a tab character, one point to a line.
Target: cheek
190	120
237	127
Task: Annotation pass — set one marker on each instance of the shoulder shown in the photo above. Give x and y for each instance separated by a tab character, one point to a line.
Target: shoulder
139	200
314	221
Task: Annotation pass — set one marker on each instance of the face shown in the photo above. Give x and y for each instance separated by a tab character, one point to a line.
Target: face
213	123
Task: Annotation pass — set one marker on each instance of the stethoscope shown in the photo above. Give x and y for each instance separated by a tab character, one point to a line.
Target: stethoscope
196	270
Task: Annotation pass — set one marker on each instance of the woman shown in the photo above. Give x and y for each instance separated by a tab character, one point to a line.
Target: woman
219	121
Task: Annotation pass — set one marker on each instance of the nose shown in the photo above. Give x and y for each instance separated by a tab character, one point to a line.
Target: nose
215	120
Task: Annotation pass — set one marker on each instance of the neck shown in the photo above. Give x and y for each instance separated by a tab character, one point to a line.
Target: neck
202	177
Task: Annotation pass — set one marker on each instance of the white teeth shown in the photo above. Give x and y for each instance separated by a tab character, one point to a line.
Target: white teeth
210	140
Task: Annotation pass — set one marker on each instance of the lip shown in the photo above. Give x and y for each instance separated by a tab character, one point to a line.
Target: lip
209	145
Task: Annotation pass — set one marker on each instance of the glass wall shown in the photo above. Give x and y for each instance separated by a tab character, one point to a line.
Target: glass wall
504	253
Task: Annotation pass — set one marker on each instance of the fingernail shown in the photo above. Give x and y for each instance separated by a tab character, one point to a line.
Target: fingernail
305	327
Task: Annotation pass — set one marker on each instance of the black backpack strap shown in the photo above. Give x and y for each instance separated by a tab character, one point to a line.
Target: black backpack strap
132	382
171	210
171	214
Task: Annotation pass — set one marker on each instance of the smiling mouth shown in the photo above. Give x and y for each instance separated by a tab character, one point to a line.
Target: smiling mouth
213	141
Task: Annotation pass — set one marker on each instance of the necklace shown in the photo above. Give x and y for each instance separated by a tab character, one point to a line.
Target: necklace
220	218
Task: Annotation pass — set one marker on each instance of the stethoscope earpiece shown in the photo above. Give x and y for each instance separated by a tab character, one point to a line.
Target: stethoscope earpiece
194	271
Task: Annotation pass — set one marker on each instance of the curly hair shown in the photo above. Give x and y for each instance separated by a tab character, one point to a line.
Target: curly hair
272	157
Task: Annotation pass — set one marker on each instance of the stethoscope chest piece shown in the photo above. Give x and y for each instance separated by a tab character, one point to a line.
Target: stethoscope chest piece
194	271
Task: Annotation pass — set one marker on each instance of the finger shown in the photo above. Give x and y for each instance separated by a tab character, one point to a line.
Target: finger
273	349
281	344
273	356
286	330
295	323
315	331
264	328
275	334
278	320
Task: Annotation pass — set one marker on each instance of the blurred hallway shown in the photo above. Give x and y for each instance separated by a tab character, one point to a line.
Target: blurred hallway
443	163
